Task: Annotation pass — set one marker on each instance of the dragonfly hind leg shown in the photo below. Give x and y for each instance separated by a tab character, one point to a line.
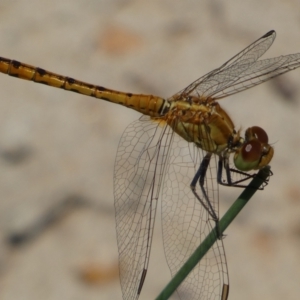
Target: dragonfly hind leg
206	203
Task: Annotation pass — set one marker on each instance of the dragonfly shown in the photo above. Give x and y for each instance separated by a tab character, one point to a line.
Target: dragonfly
179	152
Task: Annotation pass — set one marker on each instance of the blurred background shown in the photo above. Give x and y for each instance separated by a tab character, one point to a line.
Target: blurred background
57	149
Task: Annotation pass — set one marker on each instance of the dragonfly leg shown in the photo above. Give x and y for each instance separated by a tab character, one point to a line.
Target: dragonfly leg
223	164
200	176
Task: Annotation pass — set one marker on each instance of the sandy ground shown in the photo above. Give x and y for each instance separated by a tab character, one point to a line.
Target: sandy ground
57	148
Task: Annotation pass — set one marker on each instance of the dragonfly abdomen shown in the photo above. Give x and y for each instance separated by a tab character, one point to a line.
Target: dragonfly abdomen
146	104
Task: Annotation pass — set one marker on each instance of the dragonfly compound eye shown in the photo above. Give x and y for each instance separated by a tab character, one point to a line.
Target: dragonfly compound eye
255	153
258	133
248	156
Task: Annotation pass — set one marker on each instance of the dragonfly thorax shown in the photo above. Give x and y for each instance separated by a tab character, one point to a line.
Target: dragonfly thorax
206	124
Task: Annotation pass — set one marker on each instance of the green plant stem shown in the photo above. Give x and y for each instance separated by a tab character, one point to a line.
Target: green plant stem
228	217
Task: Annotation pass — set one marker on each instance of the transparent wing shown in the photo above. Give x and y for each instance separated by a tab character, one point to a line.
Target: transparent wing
242	72
139	165
186	223
258	73
226	75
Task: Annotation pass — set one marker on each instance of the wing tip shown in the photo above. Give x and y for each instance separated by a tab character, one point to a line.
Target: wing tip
271	32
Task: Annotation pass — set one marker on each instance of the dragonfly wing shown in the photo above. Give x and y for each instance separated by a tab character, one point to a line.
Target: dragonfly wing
259	72
138	171
230	71
186	223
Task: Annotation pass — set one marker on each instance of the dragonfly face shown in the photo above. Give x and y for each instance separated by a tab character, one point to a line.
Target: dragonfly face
255	152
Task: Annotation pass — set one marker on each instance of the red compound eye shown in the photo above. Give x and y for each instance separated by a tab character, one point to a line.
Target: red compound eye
258	133
248	157
251	151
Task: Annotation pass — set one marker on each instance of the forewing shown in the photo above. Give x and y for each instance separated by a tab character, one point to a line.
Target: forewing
260	72
186	223
226	75
138	175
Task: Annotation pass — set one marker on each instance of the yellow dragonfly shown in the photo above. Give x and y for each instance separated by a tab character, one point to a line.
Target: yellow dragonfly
178	152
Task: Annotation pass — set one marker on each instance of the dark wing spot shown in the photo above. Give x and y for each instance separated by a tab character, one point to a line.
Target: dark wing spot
268	33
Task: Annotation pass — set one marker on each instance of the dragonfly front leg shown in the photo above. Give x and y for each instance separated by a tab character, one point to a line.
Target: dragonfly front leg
206	203
224	164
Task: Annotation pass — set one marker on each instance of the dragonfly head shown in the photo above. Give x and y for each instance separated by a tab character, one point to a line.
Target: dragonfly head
255	152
